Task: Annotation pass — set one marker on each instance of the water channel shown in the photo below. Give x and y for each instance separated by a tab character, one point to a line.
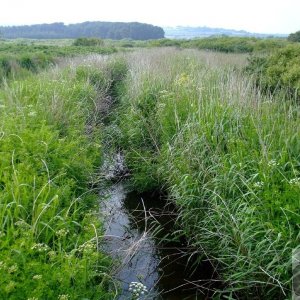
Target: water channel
138	234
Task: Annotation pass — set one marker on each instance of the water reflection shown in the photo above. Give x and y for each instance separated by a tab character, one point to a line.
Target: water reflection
134	229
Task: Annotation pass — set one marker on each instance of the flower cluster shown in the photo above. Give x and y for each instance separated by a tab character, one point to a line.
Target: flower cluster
258	185
63	297
13	269
62	232
32	114
40	247
182	80
87	247
273	163
137	289
295	181
22	224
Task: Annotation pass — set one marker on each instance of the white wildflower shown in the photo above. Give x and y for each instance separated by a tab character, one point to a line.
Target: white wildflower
32	114
13	269
62	232
63	297
258	185
40	247
137	289
295	181
22	224
273	163
87	247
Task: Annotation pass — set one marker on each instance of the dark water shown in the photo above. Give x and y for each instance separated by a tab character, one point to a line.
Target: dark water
139	234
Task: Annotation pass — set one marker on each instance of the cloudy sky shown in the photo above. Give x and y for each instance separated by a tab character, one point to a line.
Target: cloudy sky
265	16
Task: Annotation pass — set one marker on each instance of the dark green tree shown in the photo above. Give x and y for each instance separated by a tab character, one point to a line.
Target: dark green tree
294	37
103	30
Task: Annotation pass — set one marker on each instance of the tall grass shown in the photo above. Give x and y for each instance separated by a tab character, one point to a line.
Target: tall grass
229	157
50	148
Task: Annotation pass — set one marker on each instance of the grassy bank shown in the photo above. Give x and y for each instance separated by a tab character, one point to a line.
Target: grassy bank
194	123
50	148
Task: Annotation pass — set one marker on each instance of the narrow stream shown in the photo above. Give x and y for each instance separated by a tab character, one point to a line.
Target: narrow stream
137	228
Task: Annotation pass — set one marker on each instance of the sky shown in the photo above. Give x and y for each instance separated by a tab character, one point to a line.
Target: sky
261	16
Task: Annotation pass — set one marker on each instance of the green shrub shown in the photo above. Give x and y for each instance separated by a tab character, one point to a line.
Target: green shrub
88	42
278	71
224	44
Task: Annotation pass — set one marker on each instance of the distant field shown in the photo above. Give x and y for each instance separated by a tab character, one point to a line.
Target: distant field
20	58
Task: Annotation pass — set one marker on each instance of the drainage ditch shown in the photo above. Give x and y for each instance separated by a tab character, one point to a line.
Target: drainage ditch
139	236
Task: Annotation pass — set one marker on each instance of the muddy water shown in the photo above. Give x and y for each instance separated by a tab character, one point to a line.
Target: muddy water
139	235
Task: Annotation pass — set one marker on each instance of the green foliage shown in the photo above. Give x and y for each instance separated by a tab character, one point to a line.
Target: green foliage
279	70
88	42
224	44
49	232
229	158
166	43
294	37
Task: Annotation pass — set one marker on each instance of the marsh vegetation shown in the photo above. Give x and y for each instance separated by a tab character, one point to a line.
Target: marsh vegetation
218	133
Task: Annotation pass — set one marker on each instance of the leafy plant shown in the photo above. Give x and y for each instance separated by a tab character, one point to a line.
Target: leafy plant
279	70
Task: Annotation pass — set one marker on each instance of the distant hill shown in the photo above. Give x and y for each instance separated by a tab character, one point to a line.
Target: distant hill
182	32
109	30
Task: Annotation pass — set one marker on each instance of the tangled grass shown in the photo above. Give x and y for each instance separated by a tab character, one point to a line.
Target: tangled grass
229	157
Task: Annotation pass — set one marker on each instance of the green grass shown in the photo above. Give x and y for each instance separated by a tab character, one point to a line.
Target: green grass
52	47
191	122
49	227
194	124
19	59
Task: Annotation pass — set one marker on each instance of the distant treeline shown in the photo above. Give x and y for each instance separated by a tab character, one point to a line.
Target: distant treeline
105	30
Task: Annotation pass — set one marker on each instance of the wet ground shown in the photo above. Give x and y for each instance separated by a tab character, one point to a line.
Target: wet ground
139	234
